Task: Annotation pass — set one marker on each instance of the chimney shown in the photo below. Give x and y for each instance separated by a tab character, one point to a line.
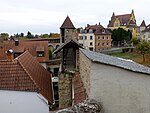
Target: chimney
9	54
16	42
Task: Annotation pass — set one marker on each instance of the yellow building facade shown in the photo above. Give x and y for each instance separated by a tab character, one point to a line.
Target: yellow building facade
125	21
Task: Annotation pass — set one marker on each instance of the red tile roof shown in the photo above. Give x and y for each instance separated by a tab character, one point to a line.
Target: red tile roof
31	46
67	24
79	92
25	74
98	29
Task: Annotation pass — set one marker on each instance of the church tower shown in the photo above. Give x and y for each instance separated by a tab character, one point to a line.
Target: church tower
67	30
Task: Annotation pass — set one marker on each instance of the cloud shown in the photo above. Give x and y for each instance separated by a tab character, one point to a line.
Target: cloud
48	15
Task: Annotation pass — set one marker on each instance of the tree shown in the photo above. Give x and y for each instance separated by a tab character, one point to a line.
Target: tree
143	48
121	35
54	35
29	35
135	41
22	35
4	36
44	36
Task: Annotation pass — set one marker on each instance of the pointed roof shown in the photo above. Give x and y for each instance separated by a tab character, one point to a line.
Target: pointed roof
70	42
143	24
67	24
101	30
124	19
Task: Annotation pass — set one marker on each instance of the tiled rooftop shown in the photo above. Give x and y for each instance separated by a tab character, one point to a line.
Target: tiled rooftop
31	46
25	74
67	24
115	61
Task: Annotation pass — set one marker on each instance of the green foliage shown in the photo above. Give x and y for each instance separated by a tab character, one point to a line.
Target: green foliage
78	29
50	53
126	55
4	36
143	48
29	35
44	36
135	41
121	35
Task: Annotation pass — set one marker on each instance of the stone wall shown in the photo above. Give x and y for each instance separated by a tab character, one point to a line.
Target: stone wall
65	90
85	71
88	106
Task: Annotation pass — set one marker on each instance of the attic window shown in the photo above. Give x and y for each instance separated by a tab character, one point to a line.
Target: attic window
103	31
90	31
40	54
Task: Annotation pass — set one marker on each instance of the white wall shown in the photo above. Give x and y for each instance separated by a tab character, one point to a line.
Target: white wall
22	102
119	90
147	36
44	65
86	42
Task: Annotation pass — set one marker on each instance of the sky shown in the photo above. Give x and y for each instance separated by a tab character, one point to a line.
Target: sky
46	16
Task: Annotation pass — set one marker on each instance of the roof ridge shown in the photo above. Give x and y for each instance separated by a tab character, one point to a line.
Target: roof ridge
26	71
111	60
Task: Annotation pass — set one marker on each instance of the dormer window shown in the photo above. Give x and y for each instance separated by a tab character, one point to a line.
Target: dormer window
103	31
90	31
40	51
40	54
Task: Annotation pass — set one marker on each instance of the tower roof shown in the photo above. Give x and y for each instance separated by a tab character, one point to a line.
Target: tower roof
67	24
143	24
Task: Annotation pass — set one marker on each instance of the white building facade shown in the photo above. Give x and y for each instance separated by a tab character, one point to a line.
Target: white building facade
87	40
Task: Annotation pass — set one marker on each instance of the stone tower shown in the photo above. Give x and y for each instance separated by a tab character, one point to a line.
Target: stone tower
67	30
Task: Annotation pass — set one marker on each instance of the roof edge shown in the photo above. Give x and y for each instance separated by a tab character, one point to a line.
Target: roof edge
16	59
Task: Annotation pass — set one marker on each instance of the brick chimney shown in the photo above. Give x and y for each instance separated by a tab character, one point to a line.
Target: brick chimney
16	42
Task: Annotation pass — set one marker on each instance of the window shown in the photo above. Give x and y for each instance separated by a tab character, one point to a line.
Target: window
85	37
91	48
91	37
91	43
107	38
98	37
107	44
103	31
40	54
103	37
80	37
90	31
98	44
103	44
116	25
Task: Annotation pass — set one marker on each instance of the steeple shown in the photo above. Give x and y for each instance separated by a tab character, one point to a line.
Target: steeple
132	11
143	24
67	24
113	15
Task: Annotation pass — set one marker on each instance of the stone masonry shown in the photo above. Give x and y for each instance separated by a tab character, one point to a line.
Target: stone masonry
84	69
65	90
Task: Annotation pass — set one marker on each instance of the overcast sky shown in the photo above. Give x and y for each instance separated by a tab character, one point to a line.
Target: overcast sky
45	16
